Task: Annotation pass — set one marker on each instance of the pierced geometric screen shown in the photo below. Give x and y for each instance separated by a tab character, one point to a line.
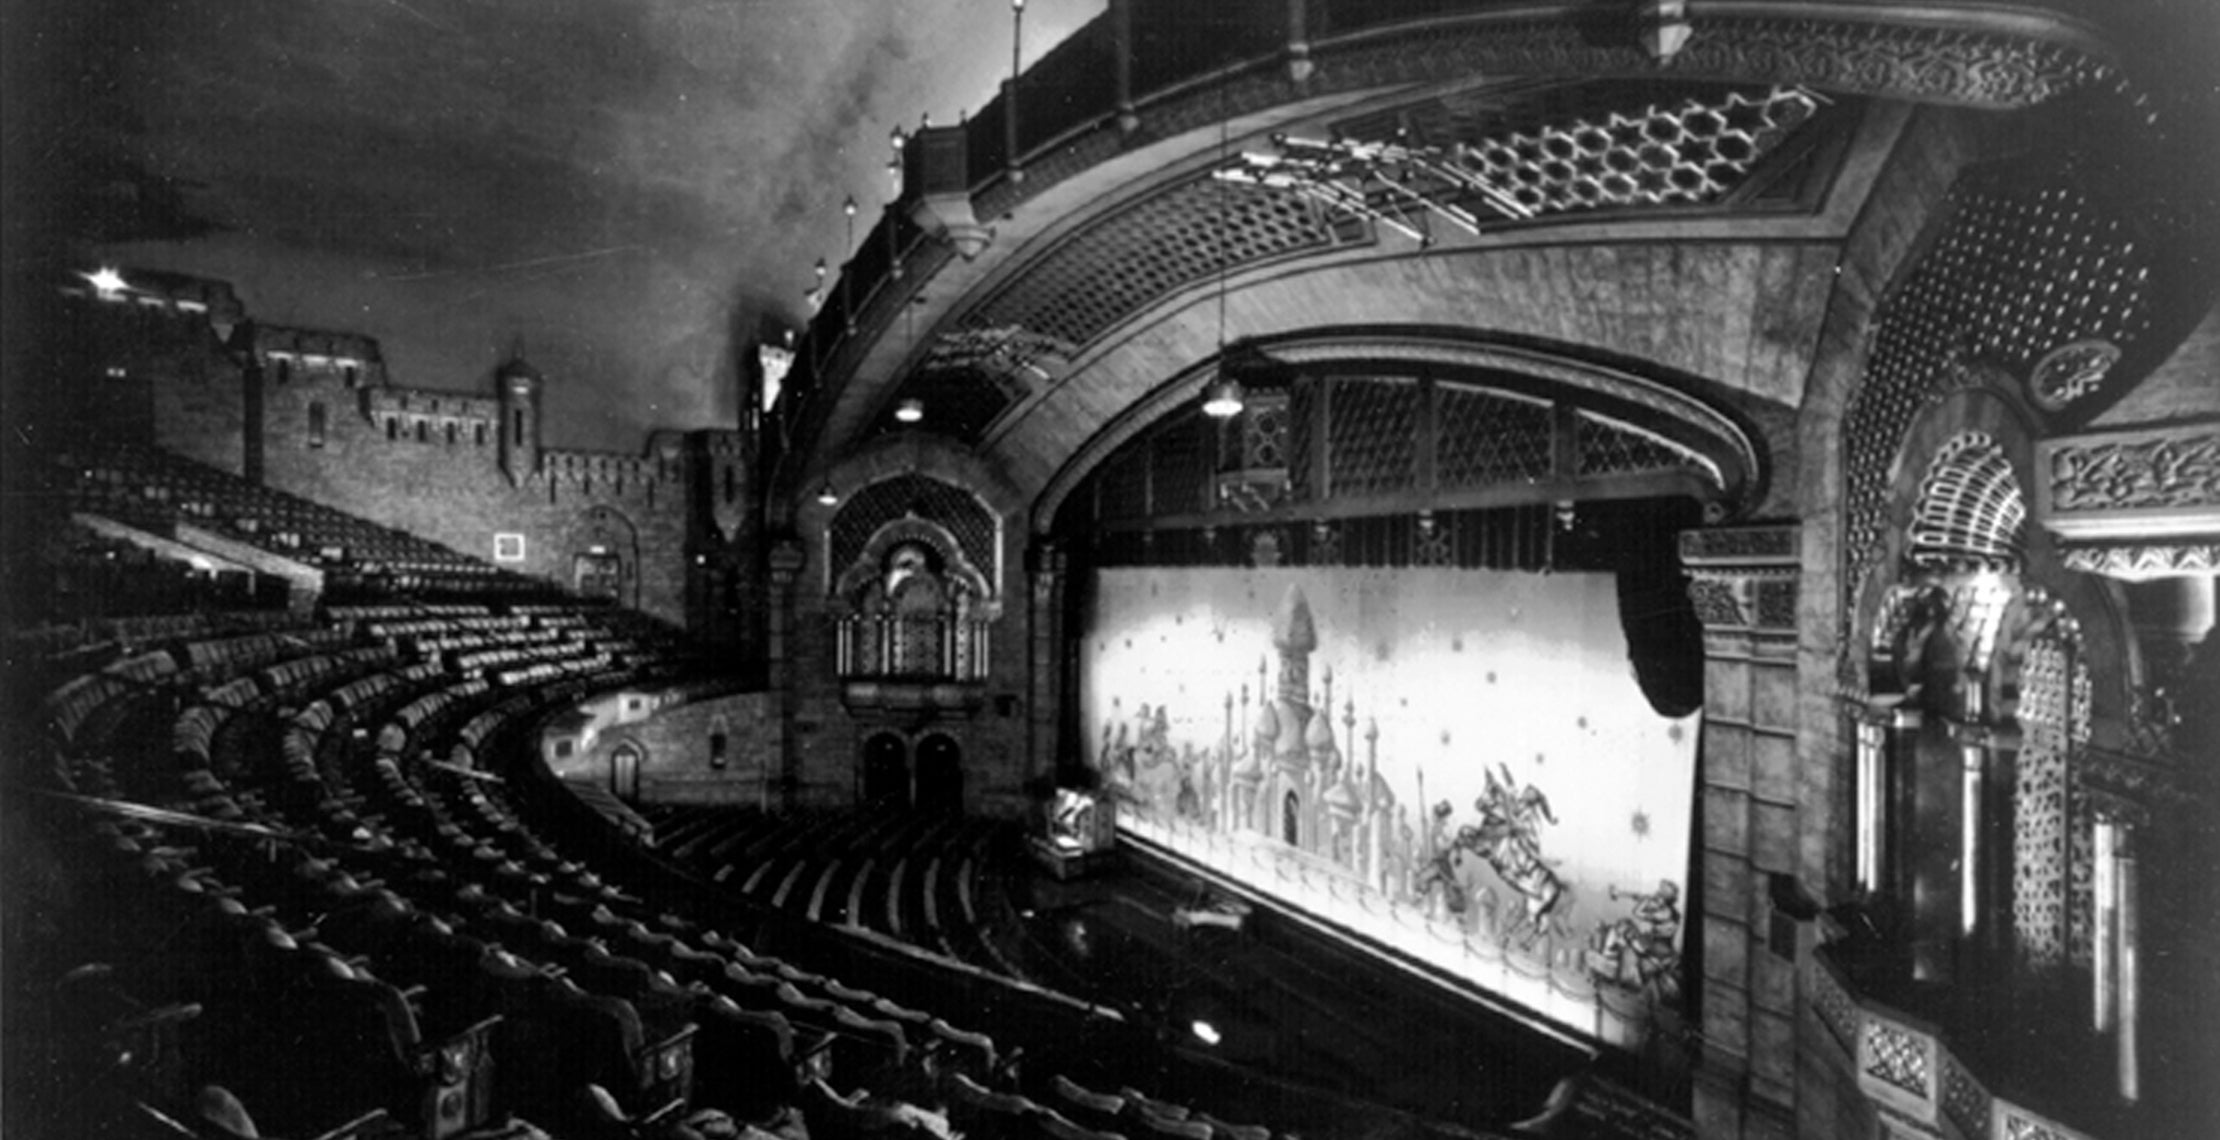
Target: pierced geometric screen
1970	507
1372	441
1488	439
1122	486
2025	262
1183	235
1560	148
1606	448
1301	413
957	510
2053	701
1179	465
1690	151
1897	1057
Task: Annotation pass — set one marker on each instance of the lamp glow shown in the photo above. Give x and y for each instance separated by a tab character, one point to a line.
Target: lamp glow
1205	1032
910	411
826	496
106	280
1222	400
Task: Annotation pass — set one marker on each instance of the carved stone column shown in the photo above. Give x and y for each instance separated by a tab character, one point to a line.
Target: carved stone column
1044	566
1744	583
786	567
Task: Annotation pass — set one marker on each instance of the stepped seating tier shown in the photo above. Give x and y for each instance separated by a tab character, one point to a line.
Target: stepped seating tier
170	498
338	827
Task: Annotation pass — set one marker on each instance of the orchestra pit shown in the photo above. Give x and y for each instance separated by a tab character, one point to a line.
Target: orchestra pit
1372	569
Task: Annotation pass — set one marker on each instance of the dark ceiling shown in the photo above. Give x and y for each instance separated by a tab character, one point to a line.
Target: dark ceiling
622	185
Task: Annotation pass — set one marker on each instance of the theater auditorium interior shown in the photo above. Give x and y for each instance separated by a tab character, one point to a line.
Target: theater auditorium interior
1245	570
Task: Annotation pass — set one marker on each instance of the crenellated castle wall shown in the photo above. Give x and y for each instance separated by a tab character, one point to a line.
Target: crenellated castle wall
315	413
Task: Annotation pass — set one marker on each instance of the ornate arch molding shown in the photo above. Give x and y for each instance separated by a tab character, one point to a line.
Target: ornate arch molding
909	453
1987	407
1970	506
1732	460
2047	592
868	565
964	519
606	526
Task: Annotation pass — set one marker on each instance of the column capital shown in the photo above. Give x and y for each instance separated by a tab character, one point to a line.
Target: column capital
1755	547
787	559
1744	579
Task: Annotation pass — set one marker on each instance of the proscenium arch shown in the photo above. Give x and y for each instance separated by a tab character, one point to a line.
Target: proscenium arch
1736	463
1986	56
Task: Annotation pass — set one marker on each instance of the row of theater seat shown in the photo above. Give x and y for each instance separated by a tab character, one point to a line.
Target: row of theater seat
909	876
158	492
89	575
201	725
432	930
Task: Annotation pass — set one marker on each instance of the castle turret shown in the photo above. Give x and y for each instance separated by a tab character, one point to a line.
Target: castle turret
1295	636
517	384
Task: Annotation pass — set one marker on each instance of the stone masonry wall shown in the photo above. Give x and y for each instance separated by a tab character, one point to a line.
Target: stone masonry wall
447	485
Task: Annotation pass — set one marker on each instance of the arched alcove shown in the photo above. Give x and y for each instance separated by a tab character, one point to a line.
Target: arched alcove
940	773
885	775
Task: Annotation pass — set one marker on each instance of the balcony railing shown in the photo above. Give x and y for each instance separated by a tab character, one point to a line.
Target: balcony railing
1908	1066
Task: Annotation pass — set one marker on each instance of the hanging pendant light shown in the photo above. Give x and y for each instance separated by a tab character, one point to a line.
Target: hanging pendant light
826	496
1223	398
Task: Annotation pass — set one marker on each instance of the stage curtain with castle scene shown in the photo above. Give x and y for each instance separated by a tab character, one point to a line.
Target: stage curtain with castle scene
1457	764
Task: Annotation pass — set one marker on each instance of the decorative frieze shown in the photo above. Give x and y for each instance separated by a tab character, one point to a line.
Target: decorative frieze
2154	483
1964	1102
1896	1066
1740	545
2015	1123
2141	561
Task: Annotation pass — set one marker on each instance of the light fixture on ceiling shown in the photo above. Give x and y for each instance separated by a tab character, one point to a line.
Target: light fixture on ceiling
826	496
910	411
1222	399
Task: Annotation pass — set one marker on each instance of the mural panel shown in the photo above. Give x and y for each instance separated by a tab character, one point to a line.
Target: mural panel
1457	763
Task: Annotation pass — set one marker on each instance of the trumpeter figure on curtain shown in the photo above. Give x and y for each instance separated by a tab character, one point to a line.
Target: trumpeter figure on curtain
1642	950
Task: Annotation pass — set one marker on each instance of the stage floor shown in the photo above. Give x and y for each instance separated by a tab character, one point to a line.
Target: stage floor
1283	1001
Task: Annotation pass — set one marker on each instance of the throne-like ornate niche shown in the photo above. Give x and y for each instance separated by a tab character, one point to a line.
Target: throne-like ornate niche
914	620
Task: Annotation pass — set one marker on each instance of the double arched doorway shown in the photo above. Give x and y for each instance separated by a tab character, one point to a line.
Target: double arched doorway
925	773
